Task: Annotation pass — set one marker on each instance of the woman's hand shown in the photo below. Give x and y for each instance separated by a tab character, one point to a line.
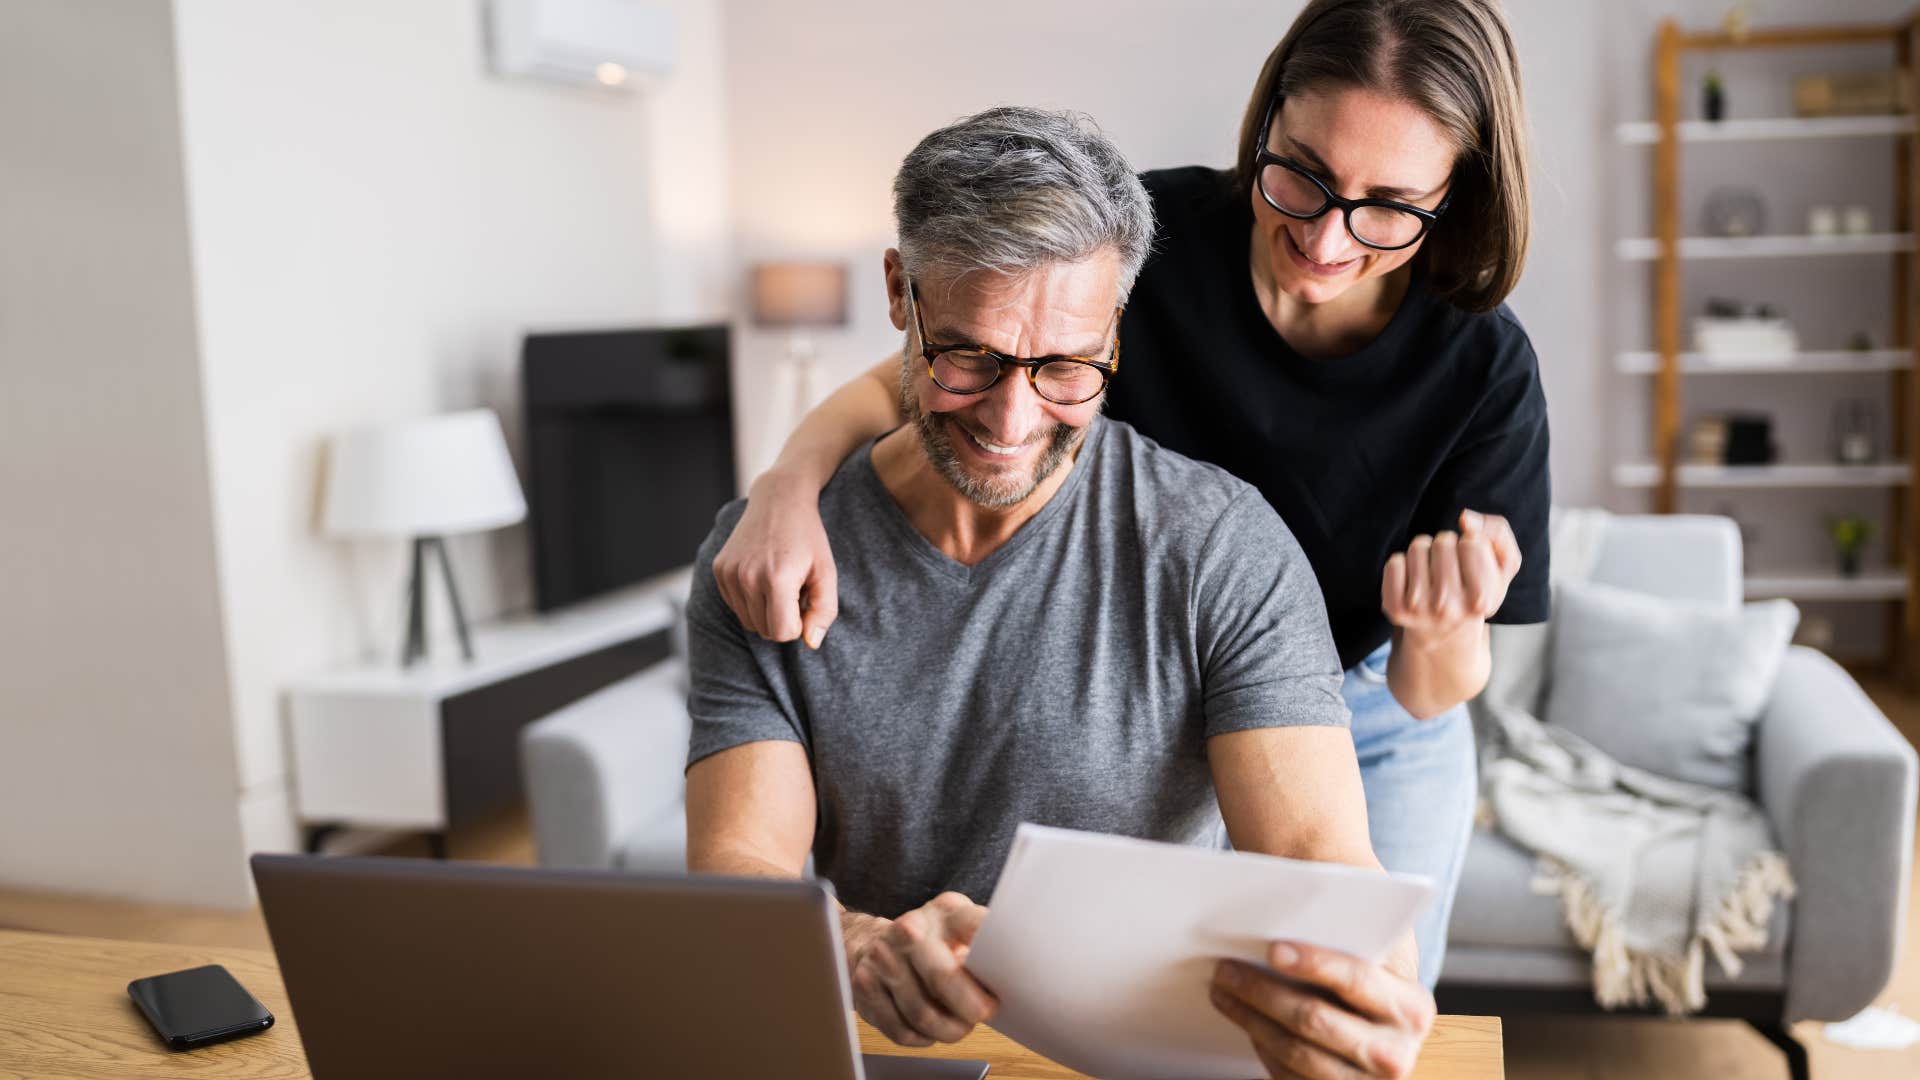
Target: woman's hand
776	571
1339	1017
1443	584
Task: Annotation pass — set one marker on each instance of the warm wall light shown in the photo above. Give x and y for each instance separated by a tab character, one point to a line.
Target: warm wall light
799	296
610	74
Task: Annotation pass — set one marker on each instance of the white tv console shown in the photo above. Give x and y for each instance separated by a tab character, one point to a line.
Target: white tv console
434	745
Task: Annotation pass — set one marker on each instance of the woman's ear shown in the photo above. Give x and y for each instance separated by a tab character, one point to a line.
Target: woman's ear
896	274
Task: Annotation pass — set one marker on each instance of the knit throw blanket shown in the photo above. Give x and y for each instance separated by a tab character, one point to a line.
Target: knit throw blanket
1653	873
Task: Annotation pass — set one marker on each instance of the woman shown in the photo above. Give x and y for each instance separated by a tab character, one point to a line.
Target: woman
1326	322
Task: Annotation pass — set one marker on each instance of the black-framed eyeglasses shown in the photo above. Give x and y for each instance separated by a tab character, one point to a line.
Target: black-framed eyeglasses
1288	187
974	369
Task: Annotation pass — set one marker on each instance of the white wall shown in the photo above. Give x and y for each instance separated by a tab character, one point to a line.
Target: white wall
376	221
826	106
116	755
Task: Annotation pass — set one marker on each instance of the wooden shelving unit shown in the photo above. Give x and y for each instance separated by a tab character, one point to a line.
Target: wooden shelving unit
1666	364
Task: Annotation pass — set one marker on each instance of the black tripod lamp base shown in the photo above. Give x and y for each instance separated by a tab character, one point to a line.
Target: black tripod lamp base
416	646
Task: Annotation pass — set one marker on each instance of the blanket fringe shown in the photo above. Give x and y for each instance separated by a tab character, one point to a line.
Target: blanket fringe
1624	977
1743	918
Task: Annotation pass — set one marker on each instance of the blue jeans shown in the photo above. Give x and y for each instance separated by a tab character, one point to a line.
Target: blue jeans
1420	778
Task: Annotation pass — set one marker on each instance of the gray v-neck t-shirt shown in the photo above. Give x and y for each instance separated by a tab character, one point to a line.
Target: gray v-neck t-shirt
1071	678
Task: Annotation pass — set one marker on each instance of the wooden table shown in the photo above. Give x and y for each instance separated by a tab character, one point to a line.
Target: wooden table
64	1012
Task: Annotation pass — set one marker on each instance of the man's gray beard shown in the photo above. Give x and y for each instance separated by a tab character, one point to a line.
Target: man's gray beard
938	446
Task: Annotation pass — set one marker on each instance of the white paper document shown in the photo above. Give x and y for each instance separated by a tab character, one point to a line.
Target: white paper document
1101	949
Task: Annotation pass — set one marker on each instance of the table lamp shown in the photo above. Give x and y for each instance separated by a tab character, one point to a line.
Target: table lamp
799	296
425	479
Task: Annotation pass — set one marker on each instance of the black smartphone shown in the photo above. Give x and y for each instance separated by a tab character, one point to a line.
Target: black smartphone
199	1006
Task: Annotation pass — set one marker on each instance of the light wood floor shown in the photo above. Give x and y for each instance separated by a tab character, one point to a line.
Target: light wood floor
1537	1049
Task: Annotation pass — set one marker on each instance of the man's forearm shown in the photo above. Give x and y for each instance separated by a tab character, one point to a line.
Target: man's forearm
736	863
1429	676
856	928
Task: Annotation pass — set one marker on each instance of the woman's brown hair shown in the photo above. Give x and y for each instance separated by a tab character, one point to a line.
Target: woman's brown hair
1454	60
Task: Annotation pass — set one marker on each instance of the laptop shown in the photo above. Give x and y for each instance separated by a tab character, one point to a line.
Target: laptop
428	969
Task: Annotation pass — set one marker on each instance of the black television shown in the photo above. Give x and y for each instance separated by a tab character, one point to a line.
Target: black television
629	454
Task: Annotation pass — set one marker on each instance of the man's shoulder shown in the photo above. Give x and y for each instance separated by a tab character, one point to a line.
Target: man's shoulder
1201	528
1170	489
845	503
724	522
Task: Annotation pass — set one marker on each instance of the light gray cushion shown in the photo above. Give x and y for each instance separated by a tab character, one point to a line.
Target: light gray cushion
1496	904
1667	686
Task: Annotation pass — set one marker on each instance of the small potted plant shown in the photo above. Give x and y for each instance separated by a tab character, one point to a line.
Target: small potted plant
1713	100
1850	533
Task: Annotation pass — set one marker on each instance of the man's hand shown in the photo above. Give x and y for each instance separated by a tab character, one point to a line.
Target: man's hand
909	975
1443	584
1340	1017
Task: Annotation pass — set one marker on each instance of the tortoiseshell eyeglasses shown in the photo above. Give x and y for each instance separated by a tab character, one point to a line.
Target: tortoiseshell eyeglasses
974	369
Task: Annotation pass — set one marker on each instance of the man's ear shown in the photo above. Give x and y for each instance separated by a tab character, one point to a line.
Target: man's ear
896	273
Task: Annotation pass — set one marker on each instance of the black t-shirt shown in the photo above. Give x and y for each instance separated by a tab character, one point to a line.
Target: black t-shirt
1359	454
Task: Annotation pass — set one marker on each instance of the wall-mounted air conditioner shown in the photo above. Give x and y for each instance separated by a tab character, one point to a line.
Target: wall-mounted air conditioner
607	43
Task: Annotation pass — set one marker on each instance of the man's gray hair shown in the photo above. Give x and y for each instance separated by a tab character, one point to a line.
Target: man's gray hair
1013	189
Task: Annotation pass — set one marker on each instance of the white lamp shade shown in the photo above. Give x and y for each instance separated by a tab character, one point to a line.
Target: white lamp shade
433	477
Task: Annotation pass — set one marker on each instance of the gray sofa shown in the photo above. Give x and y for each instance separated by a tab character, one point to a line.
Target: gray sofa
1834	777
604	778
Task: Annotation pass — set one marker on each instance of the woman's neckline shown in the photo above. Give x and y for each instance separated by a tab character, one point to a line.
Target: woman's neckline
1391	294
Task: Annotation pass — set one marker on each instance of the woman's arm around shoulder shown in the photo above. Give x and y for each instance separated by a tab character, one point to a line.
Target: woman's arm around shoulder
776	571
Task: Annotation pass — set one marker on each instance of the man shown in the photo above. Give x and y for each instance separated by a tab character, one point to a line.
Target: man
1049	618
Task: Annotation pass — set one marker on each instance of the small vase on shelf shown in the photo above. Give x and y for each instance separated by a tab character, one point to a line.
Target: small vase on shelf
1854	428
1713	98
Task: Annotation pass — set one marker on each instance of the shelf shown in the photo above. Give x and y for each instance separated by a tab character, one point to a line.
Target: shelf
1876	584
1647	474
1837	361
1646	133
1647	248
